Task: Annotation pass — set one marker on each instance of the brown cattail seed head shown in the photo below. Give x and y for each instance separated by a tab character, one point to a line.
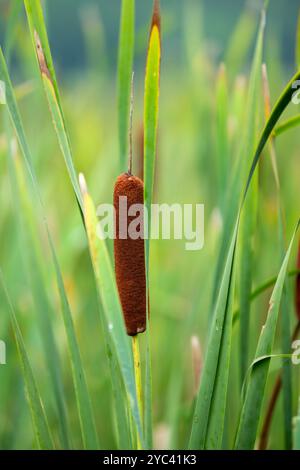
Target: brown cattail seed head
297	293
129	255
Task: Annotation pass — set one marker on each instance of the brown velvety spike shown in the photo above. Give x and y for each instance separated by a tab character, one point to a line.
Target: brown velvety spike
130	256
297	293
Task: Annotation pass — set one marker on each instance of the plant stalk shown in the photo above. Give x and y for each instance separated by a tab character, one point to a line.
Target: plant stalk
138	378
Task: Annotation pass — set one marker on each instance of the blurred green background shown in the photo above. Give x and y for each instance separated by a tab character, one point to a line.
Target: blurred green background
68	40
197	36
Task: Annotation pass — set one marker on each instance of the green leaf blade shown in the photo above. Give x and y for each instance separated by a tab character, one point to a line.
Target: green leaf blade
125	62
251	407
114	324
39	419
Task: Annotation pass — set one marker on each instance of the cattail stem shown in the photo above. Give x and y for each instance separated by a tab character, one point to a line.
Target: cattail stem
138	377
130	126
137	370
264	437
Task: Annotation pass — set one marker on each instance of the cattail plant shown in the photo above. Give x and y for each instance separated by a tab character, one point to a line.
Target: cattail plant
129	249
130	255
129	252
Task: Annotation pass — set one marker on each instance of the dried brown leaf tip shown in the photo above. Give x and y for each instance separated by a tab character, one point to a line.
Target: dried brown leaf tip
156	19
297	292
41	56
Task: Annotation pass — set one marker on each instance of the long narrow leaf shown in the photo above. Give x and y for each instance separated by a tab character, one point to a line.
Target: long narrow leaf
41	45
251	407
40	296
33	264
245	152
151	108
205	395
248	218
151	105
199	428
215	429
87	423
39	419
285	322
209	416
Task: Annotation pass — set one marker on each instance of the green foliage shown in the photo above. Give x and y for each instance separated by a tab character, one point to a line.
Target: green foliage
72	353
40	424
252	403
